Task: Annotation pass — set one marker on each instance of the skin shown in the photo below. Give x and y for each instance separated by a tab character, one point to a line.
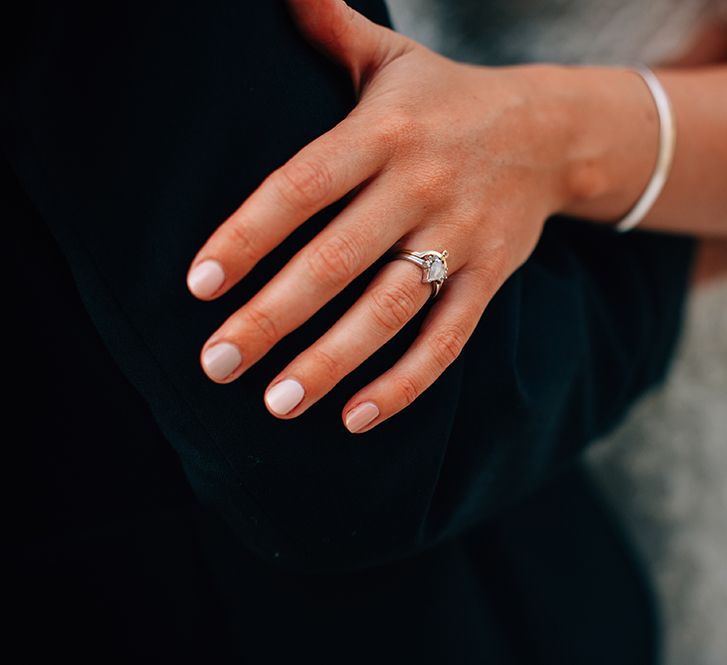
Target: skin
444	155
708	47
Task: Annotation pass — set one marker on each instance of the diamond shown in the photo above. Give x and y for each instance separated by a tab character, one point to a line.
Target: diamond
437	271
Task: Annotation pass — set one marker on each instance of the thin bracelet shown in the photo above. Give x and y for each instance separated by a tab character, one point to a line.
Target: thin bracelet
667	142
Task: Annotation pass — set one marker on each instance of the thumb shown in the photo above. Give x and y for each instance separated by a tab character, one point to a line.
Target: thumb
345	35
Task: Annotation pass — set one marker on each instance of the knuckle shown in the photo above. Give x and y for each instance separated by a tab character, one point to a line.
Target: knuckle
407	388
470	218
393	306
305	182
432	182
497	258
341	23
263	324
328	364
335	261
493	268
398	128
446	344
243	240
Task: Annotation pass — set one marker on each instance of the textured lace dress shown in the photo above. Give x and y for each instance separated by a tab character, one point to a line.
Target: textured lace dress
666	467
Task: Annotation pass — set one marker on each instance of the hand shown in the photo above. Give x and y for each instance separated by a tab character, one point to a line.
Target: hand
444	156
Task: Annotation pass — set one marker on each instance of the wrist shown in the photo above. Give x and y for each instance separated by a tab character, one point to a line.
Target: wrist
605	126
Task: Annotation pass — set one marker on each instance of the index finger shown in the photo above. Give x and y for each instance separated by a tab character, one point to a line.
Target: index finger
321	173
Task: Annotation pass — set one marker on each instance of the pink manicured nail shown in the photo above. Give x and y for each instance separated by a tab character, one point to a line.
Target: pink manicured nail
205	278
221	360
360	416
283	397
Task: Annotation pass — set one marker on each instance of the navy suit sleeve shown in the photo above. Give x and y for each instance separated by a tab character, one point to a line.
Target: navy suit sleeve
136	129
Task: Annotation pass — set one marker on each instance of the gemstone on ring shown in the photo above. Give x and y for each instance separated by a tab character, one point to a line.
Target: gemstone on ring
436	270
433	265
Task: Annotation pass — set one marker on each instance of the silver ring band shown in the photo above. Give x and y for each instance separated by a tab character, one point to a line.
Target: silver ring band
433	265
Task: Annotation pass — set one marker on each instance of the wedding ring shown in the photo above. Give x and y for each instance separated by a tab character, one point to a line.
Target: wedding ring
432	263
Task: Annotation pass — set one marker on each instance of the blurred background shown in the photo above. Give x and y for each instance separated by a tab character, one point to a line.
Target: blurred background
665	469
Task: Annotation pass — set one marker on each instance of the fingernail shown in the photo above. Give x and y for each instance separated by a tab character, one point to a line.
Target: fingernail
360	416
283	397
205	278
221	360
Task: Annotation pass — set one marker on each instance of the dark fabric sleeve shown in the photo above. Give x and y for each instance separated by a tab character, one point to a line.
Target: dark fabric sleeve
136	128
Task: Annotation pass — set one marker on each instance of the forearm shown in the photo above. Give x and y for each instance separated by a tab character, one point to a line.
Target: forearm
612	143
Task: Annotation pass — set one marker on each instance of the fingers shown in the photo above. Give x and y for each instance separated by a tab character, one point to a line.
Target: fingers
352	242
344	34
321	173
390	301
446	329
